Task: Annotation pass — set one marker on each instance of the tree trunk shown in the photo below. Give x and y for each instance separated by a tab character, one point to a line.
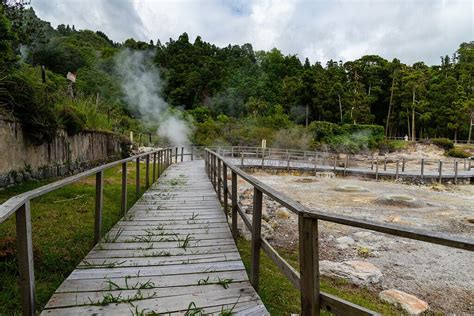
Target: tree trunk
340	105
408	121
413	133
390	106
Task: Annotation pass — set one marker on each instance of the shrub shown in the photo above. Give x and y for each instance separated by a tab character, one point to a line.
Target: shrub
73	122
458	153
444	143
389	146
322	130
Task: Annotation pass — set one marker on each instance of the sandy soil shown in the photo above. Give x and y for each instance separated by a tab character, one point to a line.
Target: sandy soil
442	276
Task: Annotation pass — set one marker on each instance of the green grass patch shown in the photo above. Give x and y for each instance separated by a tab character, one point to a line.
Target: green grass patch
281	298
63	229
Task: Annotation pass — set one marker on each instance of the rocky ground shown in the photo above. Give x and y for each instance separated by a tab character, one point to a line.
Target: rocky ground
441	276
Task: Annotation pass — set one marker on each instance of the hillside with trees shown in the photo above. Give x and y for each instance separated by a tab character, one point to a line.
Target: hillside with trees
230	95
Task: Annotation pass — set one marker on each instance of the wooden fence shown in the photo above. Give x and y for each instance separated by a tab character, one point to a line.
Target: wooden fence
398	167
20	206
307	279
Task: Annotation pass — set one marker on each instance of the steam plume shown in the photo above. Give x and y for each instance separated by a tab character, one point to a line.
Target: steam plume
142	85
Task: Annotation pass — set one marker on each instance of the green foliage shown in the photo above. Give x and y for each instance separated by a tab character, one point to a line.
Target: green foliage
389	146
444	143
458	153
28	101
321	130
73	121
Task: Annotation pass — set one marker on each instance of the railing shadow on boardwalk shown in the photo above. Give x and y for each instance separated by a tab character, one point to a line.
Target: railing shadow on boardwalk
306	280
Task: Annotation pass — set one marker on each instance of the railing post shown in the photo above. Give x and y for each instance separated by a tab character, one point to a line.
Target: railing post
403	164
372	163
99	203
377	169
397	170
176	156
219	179
192	153
242	159
234	205
256	235
456	172
147	171
440	171
309	265
123	200
287	160
385	164
182	153
160	162
422	169
263	157
137	178
26	269
226	190
154	167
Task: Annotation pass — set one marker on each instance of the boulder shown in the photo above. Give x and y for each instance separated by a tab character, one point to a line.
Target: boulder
409	303
357	272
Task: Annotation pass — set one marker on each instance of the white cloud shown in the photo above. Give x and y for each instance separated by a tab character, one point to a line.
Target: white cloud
419	30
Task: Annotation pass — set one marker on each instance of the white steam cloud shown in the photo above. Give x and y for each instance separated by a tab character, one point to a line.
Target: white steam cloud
142	85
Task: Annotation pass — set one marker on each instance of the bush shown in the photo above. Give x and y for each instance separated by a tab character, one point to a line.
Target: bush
444	143
322	130
389	146
458	153
73	122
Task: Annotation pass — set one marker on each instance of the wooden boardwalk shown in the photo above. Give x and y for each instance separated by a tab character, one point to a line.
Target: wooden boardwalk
172	253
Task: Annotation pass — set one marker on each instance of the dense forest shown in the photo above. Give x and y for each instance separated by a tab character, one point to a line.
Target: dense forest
229	95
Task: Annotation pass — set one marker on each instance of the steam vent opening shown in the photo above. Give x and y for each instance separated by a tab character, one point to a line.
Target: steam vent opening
350	188
399	200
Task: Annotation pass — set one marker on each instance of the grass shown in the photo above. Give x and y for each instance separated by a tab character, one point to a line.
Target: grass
281	298
63	230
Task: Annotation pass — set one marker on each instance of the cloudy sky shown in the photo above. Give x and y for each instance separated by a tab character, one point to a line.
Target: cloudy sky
411	30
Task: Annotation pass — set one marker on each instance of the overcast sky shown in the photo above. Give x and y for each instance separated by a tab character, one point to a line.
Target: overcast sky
416	30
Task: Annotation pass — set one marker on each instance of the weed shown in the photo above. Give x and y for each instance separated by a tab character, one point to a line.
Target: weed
203	281
184	243
110	237
224	282
110	298
193	310
88	265
229	311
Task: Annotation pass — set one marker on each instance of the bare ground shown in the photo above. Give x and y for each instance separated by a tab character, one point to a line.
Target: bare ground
442	276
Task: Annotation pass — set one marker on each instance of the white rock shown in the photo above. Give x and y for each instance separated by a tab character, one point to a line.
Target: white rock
410	303
282	213
357	272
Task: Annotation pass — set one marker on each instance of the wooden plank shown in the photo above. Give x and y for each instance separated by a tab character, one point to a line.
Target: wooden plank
290	273
25	259
256	238
341	307
309	266
99	204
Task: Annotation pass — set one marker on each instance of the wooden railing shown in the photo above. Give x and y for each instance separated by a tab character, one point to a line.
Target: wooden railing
307	279
376	166
20	206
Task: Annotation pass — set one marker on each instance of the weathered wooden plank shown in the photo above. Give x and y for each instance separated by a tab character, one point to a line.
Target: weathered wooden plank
174	238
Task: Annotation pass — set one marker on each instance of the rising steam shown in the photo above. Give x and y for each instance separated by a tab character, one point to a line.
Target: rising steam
142	85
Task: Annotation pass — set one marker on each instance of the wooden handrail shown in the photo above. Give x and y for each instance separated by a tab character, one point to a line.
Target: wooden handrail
307	281
20	205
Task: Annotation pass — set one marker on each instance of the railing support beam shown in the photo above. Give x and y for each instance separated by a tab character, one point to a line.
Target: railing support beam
256	238
99	204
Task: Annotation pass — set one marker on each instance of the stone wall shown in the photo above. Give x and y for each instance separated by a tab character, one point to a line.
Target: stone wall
22	161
